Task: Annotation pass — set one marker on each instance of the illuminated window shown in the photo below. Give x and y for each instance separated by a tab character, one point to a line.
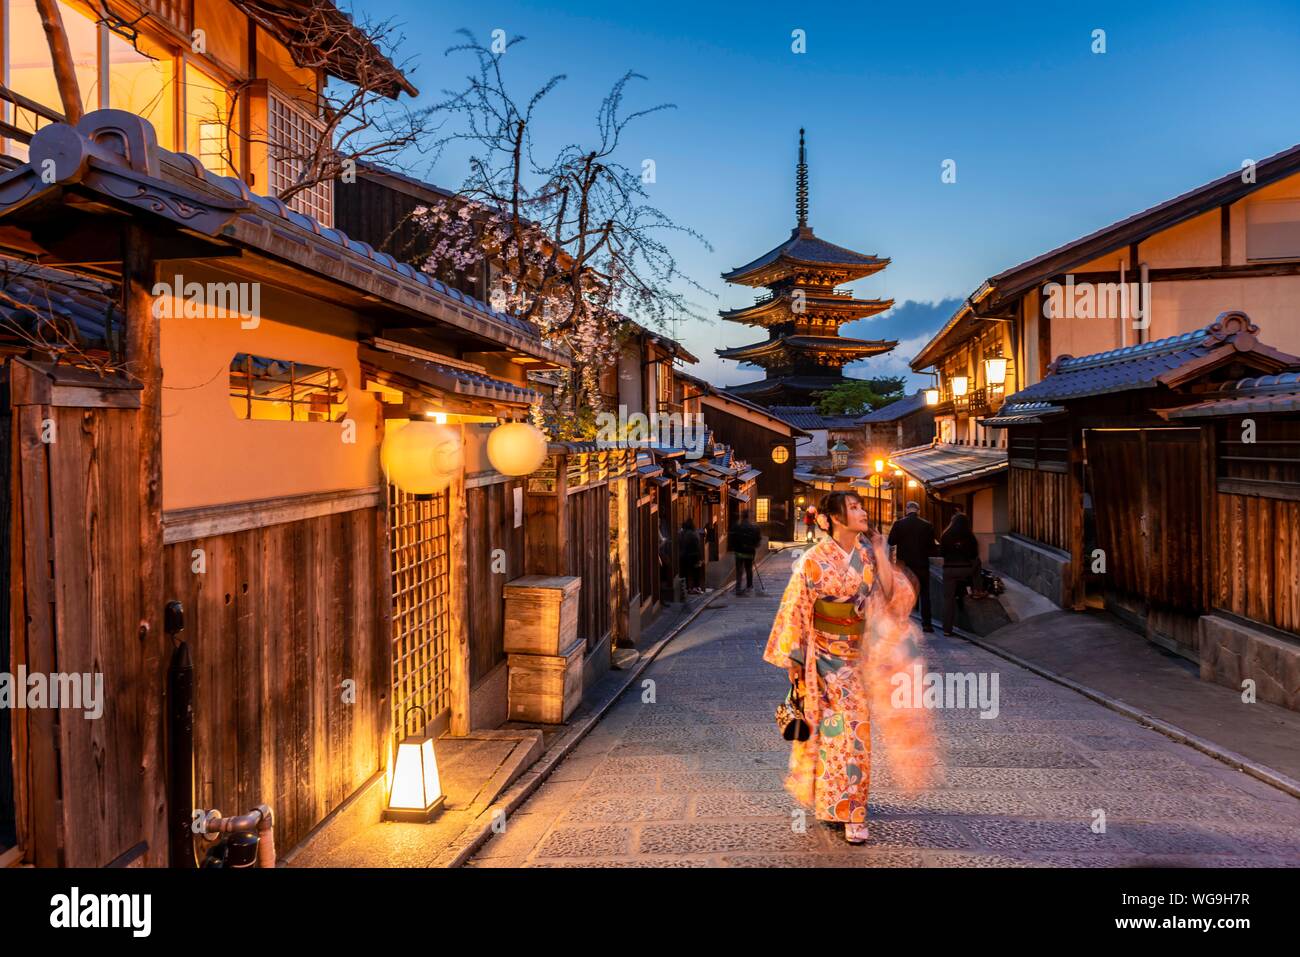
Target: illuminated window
761	509
210	133
262	388
780	454
30	68
142	80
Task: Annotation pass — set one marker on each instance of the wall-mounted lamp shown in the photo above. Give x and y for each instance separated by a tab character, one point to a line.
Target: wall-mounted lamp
931	396
995	371
960	384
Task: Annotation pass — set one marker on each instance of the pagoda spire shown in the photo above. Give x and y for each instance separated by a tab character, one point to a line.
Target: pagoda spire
801	185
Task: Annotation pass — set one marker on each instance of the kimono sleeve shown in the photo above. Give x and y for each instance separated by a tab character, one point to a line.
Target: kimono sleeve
793	623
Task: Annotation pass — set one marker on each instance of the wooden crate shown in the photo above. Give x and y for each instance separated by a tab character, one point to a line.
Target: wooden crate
541	614
545	688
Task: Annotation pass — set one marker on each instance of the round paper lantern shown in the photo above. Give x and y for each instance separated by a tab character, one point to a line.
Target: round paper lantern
516	448
422	458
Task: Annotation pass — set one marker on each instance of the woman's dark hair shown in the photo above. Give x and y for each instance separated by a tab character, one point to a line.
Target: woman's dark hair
959	524
688	523
835	506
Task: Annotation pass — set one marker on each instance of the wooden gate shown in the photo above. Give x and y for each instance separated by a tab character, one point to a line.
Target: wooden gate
420	547
80	797
1148	503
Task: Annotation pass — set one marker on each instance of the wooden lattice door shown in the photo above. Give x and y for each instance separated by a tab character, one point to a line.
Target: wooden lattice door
420	546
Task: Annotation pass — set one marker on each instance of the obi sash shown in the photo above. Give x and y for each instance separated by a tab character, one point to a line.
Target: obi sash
837	617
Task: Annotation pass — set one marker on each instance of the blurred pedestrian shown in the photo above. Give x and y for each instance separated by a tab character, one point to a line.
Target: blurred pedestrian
913	540
961	565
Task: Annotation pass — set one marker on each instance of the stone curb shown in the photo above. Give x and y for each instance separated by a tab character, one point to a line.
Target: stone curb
463	848
1231	758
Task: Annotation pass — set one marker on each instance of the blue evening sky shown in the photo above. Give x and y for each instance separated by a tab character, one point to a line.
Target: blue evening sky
1050	140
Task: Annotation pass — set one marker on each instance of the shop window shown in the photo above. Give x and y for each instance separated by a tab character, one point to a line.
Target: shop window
277	390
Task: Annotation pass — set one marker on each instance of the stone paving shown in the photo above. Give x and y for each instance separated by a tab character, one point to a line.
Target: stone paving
694	778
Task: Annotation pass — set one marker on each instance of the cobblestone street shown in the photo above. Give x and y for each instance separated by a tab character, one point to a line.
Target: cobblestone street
694	779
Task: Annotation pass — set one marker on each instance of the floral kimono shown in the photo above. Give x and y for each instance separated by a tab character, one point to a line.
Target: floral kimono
845	676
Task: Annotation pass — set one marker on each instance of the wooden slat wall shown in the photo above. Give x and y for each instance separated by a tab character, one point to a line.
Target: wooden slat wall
589	557
281	618
1038	505
490	526
1257	559
81	803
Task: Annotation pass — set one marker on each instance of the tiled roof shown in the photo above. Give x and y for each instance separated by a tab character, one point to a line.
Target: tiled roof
177	187
1269	393
709	389
896	410
448	378
941	465
804	247
1022	413
814	343
34	295
1147	365
804	416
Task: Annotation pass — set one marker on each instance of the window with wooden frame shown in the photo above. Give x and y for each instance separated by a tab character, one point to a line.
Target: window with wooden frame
294	134
283	391
1044	447
762	508
1259	455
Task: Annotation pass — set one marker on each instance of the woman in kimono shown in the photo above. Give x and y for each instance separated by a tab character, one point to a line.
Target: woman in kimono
843	631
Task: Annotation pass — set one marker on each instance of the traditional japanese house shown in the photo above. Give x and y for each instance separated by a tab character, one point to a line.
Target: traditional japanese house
226	457
1233	243
903	424
767	443
1252	521
802	311
1122	496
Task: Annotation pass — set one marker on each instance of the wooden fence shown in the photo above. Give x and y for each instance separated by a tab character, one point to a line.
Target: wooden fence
291	669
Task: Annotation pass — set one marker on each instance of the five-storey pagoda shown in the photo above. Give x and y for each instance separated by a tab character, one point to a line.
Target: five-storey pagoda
804	352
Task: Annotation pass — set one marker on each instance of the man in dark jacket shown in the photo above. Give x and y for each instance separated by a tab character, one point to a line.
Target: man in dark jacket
913	537
744	538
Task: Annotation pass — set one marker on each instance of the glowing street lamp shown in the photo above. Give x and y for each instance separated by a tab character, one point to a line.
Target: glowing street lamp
931	396
880	465
960	385
995	371
416	795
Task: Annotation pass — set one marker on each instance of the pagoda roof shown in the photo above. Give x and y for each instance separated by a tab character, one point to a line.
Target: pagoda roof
777	308
805	249
849	347
790	385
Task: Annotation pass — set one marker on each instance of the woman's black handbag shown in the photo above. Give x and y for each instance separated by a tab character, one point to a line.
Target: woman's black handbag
789	718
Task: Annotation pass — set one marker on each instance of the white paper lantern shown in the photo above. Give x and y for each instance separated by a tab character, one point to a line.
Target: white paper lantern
516	448
422	458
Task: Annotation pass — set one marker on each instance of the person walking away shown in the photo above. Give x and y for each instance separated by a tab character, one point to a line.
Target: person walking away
961	564
809	522
744	538
688	555
843	631
912	538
